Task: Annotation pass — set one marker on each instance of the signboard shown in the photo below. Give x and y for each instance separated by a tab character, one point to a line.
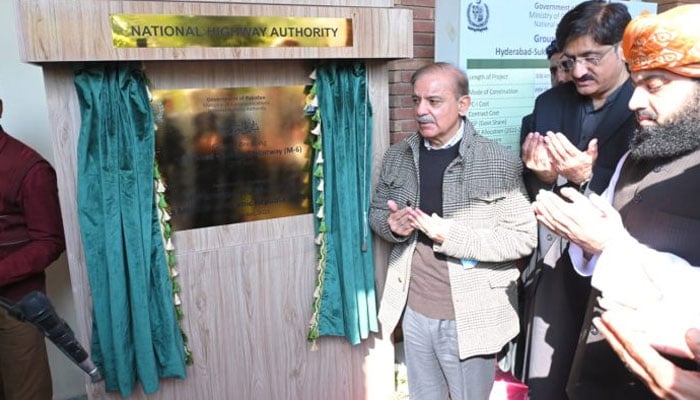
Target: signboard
234	154
156	30
501	44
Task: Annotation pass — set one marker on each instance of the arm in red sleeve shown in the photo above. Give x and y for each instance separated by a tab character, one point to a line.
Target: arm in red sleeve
38	197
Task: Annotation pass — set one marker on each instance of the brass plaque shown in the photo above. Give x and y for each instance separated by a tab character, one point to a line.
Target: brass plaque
233	155
156	30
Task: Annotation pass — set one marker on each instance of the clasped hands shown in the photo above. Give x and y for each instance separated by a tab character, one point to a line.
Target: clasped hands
405	220
553	154
590	222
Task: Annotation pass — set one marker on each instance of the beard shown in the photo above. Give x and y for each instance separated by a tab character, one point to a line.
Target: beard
677	137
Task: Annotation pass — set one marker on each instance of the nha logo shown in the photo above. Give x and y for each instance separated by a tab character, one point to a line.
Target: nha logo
478	16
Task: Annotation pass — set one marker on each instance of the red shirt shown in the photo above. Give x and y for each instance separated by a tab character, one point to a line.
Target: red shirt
31	230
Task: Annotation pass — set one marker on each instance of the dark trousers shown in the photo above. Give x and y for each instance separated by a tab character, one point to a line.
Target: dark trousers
555	304
597	372
24	365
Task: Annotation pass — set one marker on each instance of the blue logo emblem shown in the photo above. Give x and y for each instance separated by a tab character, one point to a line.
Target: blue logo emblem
478	16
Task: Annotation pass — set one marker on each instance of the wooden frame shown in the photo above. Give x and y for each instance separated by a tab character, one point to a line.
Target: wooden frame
246	288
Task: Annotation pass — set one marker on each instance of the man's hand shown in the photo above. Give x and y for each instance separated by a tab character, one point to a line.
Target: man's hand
434	226
589	223
570	162
536	158
399	220
661	376
662	325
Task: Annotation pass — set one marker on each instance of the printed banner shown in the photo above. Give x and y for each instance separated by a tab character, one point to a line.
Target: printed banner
506	71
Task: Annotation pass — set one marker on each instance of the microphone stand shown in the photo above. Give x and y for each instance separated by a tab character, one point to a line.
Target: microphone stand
36	309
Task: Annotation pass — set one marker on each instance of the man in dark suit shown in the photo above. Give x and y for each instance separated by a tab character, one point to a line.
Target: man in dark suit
641	248
557	76
578	133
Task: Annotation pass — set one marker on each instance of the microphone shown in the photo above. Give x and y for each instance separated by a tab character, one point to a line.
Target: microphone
36	309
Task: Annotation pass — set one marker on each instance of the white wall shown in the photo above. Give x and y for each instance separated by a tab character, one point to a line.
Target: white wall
25	116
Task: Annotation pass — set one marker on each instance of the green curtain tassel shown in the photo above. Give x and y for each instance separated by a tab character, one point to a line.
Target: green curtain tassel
313	334
322	227
172	262
320	199
318	172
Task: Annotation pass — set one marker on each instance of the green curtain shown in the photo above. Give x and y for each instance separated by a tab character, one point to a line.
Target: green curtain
348	300
135	334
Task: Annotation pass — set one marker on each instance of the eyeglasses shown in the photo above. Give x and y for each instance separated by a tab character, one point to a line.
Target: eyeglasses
569	63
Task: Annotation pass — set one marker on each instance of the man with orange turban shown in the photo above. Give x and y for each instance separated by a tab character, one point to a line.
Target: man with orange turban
639	240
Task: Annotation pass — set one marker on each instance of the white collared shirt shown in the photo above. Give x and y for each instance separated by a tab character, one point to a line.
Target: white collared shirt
455	139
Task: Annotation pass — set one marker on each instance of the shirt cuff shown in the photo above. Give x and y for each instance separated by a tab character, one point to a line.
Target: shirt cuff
582	266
